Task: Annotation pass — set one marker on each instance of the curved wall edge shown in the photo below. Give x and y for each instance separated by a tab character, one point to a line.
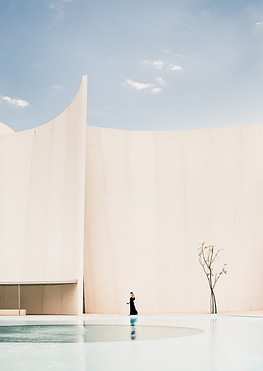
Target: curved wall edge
42	174
4	129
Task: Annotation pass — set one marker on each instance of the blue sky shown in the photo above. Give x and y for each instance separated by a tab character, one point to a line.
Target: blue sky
151	64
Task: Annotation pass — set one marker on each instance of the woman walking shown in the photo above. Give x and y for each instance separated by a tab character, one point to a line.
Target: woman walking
133	310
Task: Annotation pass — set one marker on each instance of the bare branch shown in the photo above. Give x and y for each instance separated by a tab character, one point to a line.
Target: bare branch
207	256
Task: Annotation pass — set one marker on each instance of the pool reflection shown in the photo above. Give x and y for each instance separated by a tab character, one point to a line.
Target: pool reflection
77	333
133	328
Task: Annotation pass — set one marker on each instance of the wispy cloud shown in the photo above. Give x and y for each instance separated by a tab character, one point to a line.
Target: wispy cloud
175	67
157	64
139	86
156	89
59	7
259	24
57	87
160	81
19	103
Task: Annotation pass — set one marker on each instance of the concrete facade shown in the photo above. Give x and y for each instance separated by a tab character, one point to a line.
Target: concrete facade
152	197
42	174
127	210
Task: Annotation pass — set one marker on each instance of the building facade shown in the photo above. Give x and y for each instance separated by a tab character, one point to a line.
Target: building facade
89	214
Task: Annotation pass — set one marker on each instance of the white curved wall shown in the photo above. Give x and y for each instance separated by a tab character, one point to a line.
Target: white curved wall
4	129
42	175
152	197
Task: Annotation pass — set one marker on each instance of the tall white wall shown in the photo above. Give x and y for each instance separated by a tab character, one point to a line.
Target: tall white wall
42	175
152	197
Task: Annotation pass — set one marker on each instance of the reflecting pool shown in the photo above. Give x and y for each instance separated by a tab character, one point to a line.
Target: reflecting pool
117	343
82	333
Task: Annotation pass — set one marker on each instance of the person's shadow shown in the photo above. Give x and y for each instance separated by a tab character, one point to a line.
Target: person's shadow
133	329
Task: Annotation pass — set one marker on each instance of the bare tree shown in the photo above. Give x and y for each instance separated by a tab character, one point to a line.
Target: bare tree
208	254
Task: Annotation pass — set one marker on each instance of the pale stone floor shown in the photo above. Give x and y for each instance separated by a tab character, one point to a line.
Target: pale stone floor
254	313
230	341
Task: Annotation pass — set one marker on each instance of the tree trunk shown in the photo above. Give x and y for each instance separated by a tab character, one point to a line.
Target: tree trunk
213	306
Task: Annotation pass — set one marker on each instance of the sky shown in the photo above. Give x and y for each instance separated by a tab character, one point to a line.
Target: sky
151	64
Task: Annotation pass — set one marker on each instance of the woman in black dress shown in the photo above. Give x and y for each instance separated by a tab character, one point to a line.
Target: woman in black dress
133	310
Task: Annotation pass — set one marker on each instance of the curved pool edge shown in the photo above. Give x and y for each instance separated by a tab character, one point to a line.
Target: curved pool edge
228	342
